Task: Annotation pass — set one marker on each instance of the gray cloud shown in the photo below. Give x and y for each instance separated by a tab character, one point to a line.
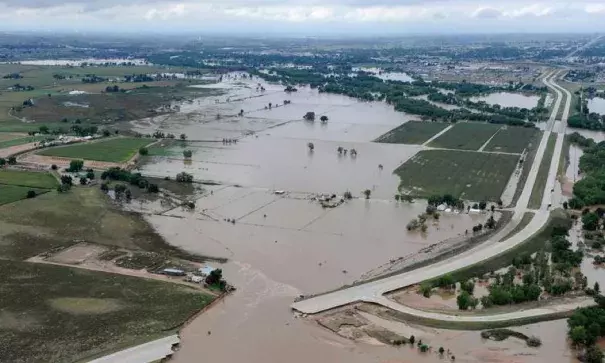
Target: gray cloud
487	13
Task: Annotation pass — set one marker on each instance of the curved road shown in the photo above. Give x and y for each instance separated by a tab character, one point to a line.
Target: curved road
374	291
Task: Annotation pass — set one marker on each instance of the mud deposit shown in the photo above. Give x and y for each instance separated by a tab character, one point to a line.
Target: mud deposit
282	245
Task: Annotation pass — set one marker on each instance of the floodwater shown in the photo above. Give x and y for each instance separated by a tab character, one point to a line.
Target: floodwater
282	246
387	76
509	99
597	105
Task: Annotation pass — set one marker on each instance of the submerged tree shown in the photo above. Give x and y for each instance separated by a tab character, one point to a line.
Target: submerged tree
367	193
311	146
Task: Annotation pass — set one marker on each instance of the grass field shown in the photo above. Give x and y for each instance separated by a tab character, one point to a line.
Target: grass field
466	136
13	193
33	226
412	132
21	141
468	175
537	192
60	314
513	139
115	150
28	179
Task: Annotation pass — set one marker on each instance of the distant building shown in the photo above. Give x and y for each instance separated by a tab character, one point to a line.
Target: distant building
206	270
173	272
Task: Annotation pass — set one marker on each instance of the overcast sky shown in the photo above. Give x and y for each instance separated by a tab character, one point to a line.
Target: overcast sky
310	17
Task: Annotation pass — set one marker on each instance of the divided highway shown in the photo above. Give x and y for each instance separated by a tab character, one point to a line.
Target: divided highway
374	291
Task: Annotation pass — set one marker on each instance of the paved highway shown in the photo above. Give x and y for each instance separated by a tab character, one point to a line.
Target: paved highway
374	291
144	353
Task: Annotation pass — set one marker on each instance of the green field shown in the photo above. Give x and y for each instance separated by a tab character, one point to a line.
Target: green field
115	150
21	141
412	132
28	179
467	175
513	139
466	136
61	314
537	192
13	193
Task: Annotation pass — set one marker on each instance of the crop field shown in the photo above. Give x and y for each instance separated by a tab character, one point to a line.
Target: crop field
513	139
28	179
466	136
115	150
467	175
61	314
412	132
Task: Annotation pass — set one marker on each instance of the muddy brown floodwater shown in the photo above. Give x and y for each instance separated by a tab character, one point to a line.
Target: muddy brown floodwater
282	246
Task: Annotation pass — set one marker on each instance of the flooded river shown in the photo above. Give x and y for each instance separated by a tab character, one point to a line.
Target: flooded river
283	245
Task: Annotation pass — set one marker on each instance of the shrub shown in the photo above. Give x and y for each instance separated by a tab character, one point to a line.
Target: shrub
143	151
187	154
31	194
54	167
153	188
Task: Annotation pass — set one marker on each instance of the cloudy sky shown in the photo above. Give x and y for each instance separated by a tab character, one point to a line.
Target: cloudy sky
275	17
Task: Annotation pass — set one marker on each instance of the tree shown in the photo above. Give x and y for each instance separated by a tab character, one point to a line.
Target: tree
119	189
412	339
143	151
590	221
426	288
83	181
54	167
311	146
441	350
12	160
367	193
43	129
323	118
105	187
184	177
594	355
75	166
187	154
66	180
578	335
468	286
90	174
153	188
2	162
183	137
597	288
482	205
31	194
464	300
214	277
493	208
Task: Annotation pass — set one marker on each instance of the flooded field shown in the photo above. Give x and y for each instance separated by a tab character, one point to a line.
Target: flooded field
283	245
508	99
597	105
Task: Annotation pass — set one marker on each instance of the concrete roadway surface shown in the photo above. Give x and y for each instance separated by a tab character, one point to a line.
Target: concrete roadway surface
144	353
374	291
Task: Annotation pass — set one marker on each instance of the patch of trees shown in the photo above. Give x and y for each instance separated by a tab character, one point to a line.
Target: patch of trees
184	177
137	78
75	166
12	76
586	326
590	189
119	174
447	199
21	88
92	78
114	89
